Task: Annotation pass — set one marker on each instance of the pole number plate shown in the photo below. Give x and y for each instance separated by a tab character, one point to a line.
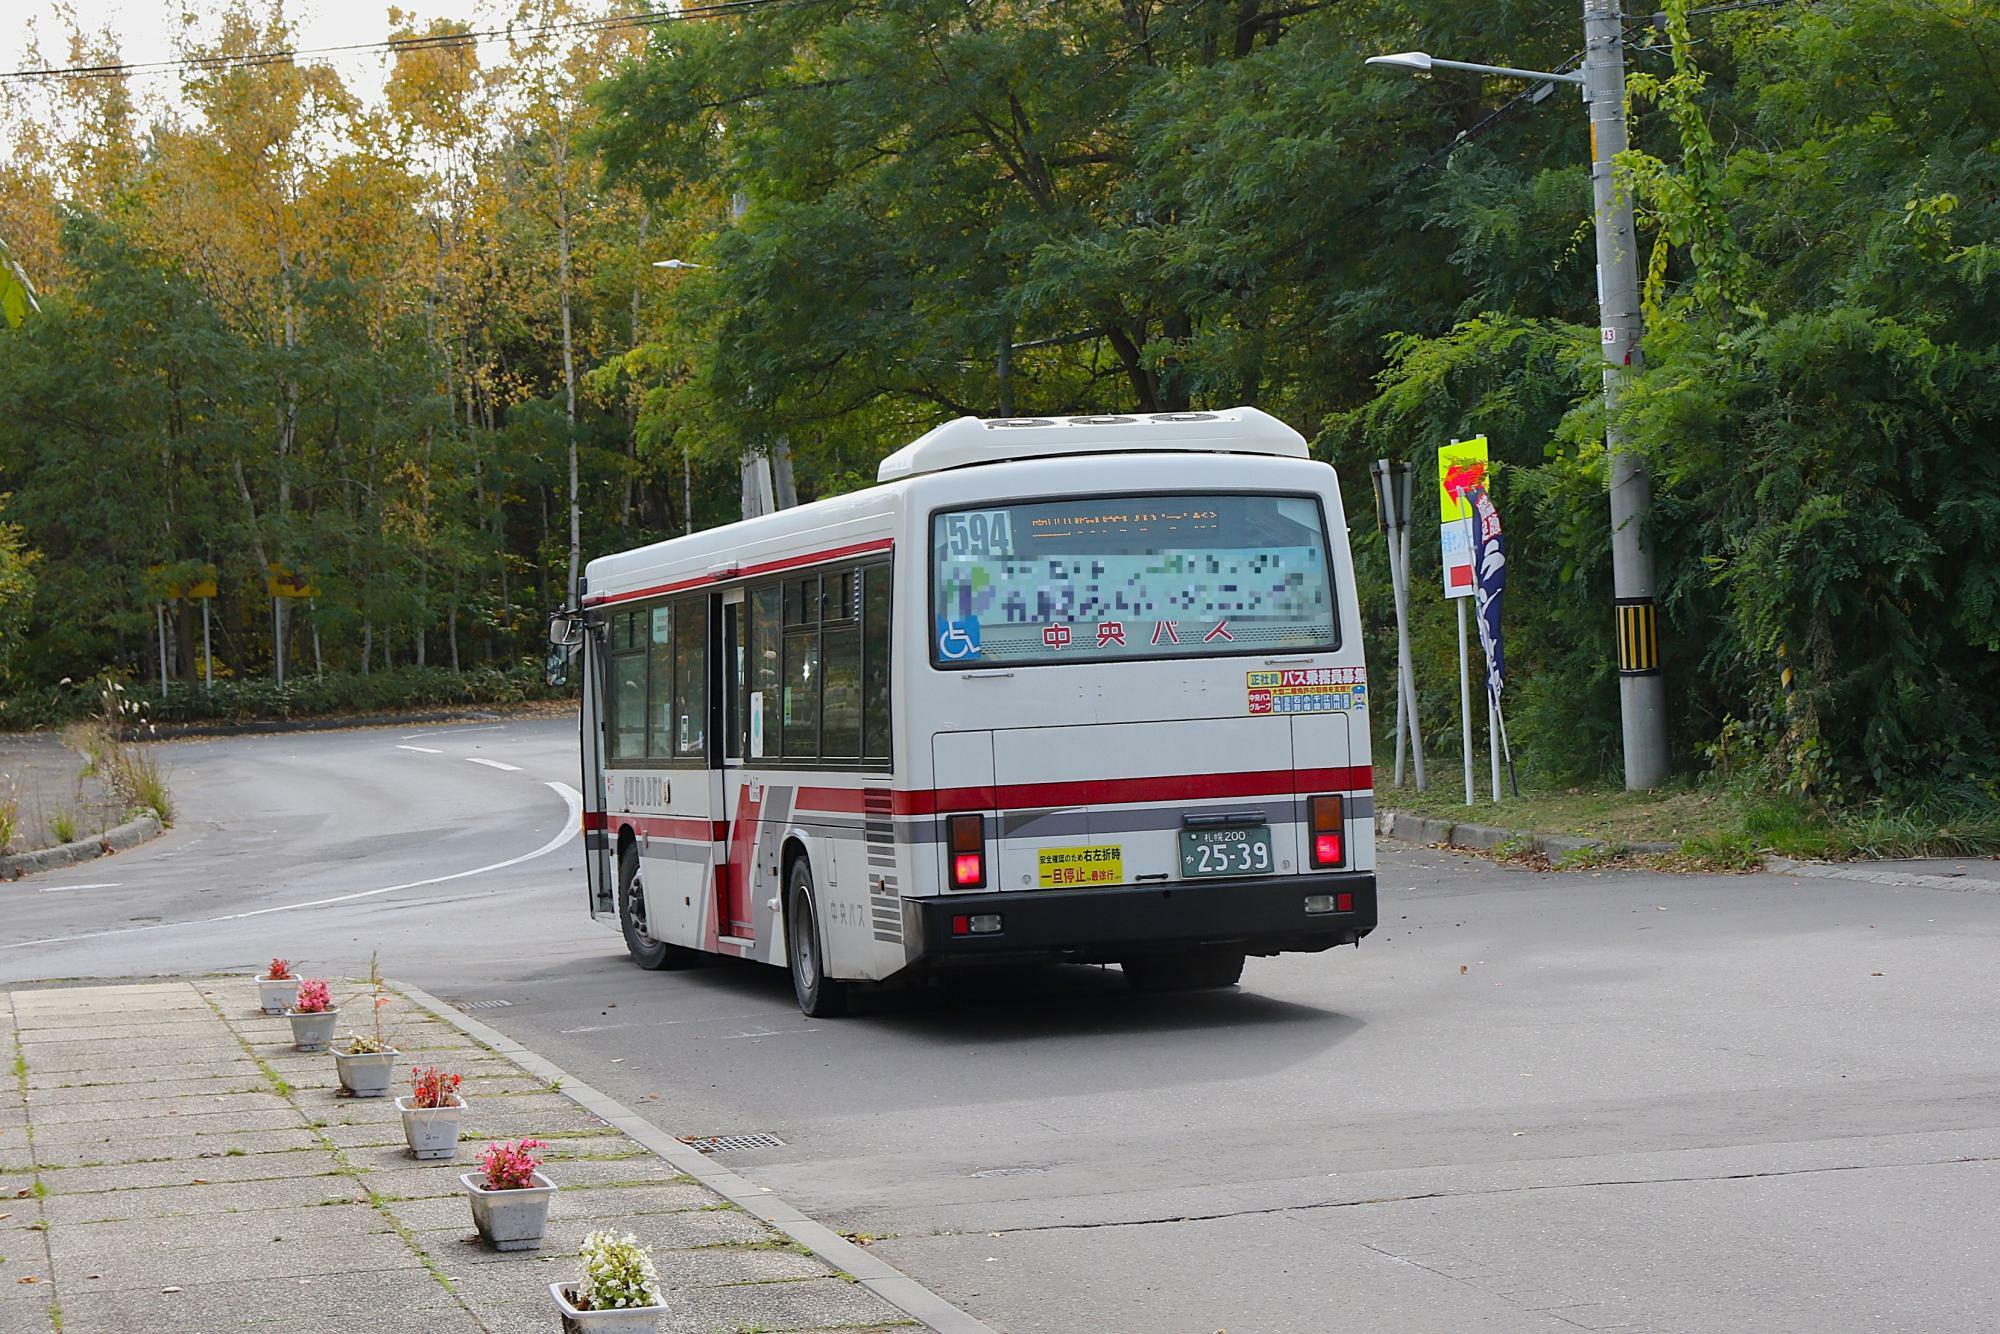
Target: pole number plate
1237	850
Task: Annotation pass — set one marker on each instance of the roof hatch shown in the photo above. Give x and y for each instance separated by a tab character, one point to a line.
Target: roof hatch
969	440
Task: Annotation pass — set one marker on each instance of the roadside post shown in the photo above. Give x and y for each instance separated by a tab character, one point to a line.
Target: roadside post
1461	464
1393	484
286	585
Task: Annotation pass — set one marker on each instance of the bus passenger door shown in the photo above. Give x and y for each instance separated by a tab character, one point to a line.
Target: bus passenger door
736	812
598	871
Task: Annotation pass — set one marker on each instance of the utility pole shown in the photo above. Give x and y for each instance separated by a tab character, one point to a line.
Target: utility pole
1641	691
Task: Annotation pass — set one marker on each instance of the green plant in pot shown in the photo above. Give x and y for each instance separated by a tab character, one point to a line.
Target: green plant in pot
619	1289
367	1061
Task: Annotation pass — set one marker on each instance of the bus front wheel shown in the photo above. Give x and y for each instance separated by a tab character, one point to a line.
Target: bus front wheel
1190	970
820	996
647	952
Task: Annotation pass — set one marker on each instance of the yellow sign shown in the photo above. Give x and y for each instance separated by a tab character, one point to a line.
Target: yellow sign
1067	868
200	585
283	583
1459	466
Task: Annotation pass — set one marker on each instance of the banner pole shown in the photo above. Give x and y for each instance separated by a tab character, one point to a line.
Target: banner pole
207	656
1493	740
1464	699
160	617
1513	779
1406	672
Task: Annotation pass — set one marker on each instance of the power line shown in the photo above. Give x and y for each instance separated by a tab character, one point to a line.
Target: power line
429	41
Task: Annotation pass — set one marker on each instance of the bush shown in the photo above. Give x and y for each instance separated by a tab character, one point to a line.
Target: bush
324	696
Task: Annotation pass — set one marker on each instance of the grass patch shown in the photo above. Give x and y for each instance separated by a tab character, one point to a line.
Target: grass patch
1715	825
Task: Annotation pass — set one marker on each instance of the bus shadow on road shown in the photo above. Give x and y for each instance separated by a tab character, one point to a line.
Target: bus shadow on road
1076	1001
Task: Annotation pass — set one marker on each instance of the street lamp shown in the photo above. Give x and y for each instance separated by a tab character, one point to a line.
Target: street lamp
1641	691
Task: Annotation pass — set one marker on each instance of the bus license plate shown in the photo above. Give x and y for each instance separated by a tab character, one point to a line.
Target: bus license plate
1237	850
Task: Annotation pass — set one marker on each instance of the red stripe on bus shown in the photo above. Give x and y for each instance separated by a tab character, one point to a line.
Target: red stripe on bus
680	827
593	821
1099	791
747	571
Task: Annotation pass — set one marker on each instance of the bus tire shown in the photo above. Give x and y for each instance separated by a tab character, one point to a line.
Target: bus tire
1202	969
820	996
648	953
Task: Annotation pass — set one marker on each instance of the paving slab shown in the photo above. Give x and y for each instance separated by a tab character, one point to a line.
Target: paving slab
106	1150
94	1073
105	1095
181	1199
310	1162
152	1255
391	1301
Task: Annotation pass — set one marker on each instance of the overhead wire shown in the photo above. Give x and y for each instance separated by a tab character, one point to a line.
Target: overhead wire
424	41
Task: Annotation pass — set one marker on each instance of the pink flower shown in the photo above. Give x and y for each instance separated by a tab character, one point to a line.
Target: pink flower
512	1166
280	970
314	997
432	1087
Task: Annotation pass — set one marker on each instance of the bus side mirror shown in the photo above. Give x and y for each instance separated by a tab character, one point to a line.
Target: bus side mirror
565	635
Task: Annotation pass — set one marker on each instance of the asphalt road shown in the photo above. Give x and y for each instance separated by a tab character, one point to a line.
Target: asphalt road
1528	1103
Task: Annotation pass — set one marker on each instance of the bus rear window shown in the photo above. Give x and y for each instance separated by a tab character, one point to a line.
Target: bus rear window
1148	576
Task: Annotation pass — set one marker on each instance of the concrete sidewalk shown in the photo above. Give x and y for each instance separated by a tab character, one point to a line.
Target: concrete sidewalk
169	1163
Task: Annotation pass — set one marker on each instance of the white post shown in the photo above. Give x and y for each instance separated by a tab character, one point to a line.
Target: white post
277	640
160	619
1464	699
1493	740
1407	672
313	607
207	655
1399	687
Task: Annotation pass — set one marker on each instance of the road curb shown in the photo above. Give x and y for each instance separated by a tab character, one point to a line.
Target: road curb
128	835
884	1280
329	723
1957	884
1411	828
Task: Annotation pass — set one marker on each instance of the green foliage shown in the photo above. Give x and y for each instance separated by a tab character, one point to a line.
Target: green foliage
17	592
333	694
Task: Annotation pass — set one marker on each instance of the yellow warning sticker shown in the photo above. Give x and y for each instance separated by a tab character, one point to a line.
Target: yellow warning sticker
1067	868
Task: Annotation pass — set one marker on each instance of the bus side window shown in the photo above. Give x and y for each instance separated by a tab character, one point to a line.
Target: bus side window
690	710
766	638
875	663
840	643
628	688
657	636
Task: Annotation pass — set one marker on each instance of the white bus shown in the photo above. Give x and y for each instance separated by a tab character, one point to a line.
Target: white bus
1084	689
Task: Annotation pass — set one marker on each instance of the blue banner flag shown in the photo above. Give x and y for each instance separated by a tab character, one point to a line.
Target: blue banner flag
1489	563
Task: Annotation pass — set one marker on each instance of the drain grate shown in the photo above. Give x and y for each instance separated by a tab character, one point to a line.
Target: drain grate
483	1004
733	1143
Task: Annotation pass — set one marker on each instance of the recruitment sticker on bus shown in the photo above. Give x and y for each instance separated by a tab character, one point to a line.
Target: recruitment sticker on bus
1070	868
1307	690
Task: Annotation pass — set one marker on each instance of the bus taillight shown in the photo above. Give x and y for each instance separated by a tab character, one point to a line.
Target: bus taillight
1329	831
968	851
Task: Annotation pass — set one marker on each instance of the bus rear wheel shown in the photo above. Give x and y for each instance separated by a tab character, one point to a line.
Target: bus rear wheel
1202	969
648	953
820	996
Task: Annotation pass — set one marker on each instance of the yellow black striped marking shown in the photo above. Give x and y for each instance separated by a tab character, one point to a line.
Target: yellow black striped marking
1638	637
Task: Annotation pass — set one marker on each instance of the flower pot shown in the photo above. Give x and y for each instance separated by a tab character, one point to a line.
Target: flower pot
276	994
585	1322
509	1220
366	1074
431	1131
314	1030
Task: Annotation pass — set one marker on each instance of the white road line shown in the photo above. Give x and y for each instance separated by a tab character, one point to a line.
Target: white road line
572	828
98	884
494	764
421	750
453	731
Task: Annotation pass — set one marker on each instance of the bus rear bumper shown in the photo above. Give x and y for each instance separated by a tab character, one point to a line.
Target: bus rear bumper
1263	915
